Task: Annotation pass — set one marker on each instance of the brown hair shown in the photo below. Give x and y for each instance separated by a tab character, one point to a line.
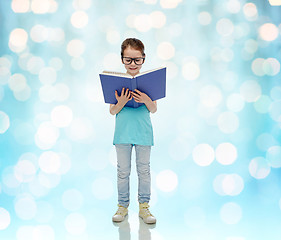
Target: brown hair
133	43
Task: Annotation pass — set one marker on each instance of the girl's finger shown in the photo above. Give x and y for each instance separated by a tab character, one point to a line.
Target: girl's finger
126	93
136	94
116	94
122	92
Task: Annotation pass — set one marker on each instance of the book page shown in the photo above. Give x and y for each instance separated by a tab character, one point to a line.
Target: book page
119	74
145	72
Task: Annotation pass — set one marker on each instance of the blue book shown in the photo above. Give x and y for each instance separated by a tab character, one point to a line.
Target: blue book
152	82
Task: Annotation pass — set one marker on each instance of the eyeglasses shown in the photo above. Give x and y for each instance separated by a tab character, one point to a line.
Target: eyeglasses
137	61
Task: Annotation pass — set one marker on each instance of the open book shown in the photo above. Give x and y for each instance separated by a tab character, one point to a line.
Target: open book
152	82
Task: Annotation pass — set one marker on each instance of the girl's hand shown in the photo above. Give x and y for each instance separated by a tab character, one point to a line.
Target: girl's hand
124	97
140	97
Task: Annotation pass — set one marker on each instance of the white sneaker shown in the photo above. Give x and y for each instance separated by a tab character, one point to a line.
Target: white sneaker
120	215
145	214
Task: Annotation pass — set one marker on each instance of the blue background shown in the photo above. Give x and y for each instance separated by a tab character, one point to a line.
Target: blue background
217	156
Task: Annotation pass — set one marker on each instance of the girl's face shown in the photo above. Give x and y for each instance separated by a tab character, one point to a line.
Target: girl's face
132	68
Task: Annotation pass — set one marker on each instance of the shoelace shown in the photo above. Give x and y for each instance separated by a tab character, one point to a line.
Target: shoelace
120	211
147	213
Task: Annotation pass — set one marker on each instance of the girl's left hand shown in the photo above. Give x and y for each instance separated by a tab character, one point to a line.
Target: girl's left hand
140	97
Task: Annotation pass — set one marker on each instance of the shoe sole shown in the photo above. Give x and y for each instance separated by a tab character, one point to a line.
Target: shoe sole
120	220
147	222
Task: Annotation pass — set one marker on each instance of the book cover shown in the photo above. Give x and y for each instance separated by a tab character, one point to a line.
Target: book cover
152	82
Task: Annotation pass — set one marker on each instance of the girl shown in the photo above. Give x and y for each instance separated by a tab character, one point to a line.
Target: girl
133	128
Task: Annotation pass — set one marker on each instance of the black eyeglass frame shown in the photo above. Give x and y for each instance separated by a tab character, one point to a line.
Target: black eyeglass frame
133	59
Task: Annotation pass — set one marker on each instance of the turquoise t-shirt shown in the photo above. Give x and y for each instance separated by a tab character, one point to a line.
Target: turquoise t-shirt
133	126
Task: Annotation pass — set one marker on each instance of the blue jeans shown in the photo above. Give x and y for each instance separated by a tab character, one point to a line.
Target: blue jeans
124	152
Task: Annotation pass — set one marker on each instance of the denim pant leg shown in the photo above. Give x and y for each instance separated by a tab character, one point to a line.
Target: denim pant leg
143	169
123	173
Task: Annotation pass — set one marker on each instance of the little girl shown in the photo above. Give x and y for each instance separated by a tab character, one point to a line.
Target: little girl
133	128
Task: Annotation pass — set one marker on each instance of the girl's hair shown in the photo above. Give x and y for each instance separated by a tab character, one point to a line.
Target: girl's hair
133	43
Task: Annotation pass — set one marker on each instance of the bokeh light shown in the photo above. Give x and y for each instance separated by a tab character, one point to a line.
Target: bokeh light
231	213
46	136
47	75
165	50
79	19
169	3
275	110
80	129
210	96
35	64
49	162
271	66
250	11
47	6
20	6
167	181
224	27
203	154
259	168
204	18
5	219
234	6
75	47
191	70
226	153
4	122
158	19
181	148
250	90
81	4
228	122
18	40
275	2
228	184
26	207
44	232
25	171
265	140
262	104
61	116
273	156
235	102
17	82
40	33
268	32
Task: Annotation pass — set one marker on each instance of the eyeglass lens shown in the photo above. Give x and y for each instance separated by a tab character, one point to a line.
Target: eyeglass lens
137	61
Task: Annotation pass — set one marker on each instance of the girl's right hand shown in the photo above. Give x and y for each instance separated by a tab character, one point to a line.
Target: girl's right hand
124	97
